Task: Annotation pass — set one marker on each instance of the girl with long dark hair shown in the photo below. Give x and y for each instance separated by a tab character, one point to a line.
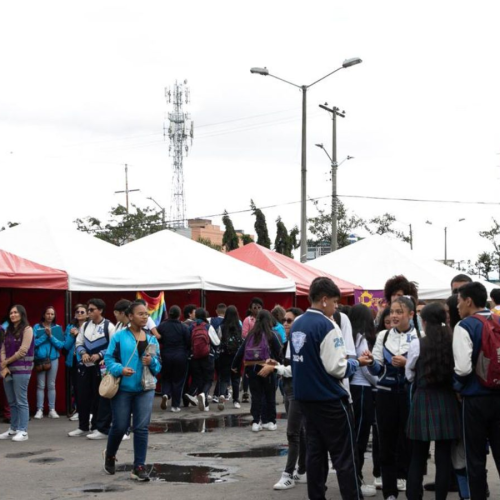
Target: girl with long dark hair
434	414
16	364
261	344
48	342
362	385
392	404
231	339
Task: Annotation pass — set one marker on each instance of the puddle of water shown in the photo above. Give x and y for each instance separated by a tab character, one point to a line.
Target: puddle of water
175	473
100	488
26	454
46	460
200	424
260	452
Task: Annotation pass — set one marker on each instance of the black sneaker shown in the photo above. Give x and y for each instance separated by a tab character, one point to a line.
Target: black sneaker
139	473
109	464
245	398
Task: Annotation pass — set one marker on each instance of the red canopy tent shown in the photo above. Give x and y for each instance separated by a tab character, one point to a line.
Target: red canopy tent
34	286
285	267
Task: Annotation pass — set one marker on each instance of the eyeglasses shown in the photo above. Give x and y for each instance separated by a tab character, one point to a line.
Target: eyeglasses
92	309
288	320
81	312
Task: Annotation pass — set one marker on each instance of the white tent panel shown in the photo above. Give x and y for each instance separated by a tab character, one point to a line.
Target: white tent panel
91	264
372	261
168	250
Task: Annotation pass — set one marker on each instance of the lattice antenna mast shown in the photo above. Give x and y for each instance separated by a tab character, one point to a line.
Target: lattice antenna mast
180	132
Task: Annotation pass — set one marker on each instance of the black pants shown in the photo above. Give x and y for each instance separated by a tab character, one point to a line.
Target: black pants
174	372
73	376
364	414
89	378
262	388
227	376
104	416
203	376
392	416
295	432
481	424
419	455
329	429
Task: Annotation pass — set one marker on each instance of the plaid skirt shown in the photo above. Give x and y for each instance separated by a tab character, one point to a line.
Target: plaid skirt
434	415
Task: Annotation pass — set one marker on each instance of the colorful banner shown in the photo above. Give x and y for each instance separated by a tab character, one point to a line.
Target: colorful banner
156	306
373	299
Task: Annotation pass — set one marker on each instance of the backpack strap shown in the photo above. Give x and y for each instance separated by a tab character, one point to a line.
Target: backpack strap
386	336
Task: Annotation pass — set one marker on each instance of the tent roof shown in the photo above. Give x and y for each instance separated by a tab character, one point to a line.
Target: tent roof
372	261
91	264
218	271
285	267
16	272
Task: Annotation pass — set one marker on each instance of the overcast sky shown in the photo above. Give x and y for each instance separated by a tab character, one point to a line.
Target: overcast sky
82	93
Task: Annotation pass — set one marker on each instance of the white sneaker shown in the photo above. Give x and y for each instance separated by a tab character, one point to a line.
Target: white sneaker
192	399
270	426
256	427
74	417
299	478
206	408
20	436
228	397
401	484
378	483
237	405
201	402
39	414
126	437
392	497
213	399
368	490
97	435
222	400
77	433
164	402
175	409
53	414
9	434
285	483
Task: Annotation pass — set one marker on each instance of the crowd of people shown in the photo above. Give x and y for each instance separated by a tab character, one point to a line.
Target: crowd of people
407	375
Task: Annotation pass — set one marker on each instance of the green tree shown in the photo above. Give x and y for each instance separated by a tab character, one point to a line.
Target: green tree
382	224
282	243
485	264
260	226
123	227
493	236
246	239
9	225
208	242
230	240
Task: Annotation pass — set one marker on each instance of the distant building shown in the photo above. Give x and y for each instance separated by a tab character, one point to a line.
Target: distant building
203	228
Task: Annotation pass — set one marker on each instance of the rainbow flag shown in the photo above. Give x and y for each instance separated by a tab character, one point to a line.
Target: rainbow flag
156	306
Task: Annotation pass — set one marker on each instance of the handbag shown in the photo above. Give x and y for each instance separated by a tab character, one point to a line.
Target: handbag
148	380
110	384
42	365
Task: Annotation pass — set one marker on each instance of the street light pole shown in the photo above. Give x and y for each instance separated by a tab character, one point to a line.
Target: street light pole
303	188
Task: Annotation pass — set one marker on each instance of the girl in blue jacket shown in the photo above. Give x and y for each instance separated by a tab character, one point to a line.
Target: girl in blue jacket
48	342
129	352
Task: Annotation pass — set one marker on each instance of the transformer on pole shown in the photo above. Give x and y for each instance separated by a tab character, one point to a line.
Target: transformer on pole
180	132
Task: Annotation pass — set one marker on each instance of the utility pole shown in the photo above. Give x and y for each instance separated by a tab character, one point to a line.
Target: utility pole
303	180
411	238
335	112
162	210
445	245
127	190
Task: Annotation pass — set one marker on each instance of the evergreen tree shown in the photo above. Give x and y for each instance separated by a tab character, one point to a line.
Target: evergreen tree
260	226
282	244
230	240
246	239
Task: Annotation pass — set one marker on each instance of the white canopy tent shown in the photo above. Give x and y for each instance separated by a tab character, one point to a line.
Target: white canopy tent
91	264
168	250
372	261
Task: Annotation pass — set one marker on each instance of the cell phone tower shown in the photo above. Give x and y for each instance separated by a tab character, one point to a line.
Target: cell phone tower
180	132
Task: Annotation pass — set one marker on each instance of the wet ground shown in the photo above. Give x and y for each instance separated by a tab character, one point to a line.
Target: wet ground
191	455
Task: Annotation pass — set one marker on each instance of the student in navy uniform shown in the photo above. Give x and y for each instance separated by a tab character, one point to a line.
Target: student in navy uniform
392	407
480	404
319	363
434	412
215	322
175	339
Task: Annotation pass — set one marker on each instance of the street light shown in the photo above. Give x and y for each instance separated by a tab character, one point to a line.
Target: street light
303	198
335	165
445	238
161	208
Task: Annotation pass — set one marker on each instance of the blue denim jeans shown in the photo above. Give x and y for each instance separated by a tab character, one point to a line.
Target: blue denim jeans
47	379
123	405
16	390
